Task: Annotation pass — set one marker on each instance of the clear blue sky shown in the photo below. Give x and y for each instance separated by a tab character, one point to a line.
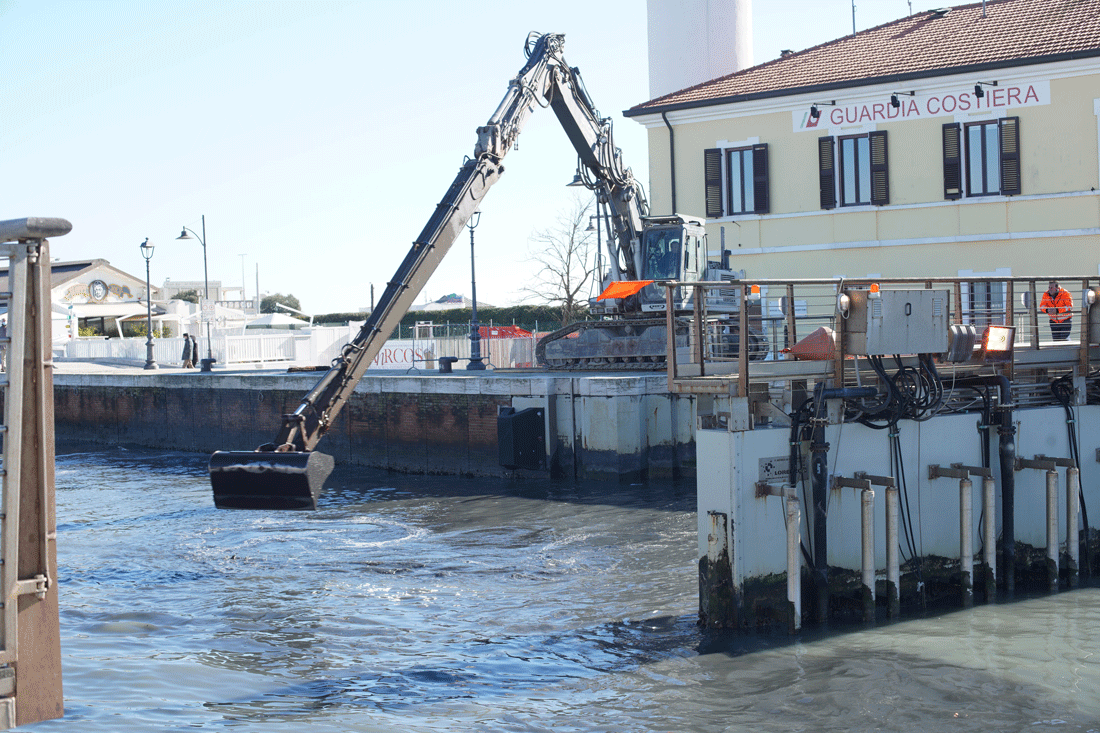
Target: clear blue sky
317	136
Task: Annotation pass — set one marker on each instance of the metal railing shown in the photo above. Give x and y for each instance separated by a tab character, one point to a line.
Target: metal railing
799	331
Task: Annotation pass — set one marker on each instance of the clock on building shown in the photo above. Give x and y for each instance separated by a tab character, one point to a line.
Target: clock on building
98	289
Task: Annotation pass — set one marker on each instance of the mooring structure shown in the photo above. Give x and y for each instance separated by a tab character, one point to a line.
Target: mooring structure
30	660
842	425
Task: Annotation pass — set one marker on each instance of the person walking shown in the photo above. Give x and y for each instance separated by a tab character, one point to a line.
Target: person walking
194	352
187	363
1057	303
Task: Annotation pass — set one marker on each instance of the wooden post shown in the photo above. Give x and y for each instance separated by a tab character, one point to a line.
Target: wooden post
30	678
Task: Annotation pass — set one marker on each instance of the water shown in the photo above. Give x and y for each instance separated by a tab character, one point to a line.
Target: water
428	604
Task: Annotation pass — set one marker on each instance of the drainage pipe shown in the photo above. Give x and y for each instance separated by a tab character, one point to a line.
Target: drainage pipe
867	527
794	563
893	564
1007	453
819	469
989	537
1052	529
671	159
819	475
1073	507
966	541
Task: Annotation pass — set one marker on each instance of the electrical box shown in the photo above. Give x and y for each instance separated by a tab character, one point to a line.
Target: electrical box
897	322
521	438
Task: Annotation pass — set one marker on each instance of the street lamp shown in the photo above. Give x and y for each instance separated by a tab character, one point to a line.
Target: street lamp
476	364
208	362
147	253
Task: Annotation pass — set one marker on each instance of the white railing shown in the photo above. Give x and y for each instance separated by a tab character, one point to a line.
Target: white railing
315	347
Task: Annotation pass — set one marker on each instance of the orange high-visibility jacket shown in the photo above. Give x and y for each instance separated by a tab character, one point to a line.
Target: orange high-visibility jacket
1063	302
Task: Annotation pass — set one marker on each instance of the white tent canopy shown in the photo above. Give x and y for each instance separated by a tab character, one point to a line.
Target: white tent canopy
276	321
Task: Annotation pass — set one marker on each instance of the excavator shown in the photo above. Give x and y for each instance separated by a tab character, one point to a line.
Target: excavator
288	473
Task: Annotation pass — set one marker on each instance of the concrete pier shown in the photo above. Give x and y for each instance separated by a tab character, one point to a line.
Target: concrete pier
598	426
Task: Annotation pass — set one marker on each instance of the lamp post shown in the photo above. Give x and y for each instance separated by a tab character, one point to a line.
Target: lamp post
147	253
599	245
208	362
476	364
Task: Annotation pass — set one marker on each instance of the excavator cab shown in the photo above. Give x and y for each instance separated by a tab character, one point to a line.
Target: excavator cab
671	250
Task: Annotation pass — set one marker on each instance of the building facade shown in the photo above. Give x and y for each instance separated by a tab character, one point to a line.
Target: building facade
952	142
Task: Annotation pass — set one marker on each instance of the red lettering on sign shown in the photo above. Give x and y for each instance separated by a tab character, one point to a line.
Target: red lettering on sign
836	116
964	101
936	102
879	111
1013	95
950	100
1030	94
998	98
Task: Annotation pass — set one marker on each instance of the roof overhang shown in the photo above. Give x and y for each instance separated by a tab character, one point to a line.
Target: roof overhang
865	82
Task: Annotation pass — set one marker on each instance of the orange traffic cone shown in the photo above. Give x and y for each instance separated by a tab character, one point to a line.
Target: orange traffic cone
819	345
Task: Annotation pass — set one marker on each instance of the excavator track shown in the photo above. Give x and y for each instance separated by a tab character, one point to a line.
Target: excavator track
614	345
630	344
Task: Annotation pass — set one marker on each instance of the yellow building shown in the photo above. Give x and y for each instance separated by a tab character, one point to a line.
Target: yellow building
948	143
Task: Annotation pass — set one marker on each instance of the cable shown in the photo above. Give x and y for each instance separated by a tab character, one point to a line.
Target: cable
1062	389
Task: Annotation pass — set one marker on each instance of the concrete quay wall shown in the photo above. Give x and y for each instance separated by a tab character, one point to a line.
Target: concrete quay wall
624	427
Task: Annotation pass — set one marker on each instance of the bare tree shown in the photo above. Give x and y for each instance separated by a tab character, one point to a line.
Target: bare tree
565	254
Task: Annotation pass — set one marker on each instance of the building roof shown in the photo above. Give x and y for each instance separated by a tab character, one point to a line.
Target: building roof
63	272
453	301
933	43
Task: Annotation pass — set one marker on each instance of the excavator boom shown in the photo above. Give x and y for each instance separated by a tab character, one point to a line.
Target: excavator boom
288	473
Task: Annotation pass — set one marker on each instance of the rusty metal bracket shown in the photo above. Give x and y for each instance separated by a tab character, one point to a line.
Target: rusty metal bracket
887	481
840	482
1063	462
1040	462
763	488
38	585
936	471
975	470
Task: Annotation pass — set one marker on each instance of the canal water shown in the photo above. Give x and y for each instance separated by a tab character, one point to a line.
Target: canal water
441	604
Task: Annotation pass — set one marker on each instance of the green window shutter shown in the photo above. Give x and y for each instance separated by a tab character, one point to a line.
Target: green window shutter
952	161
712	181
1009	128
880	175
760	185
826	166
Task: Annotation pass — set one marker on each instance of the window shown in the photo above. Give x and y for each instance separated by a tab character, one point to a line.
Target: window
863	171
855	170
983	158
736	181
986	154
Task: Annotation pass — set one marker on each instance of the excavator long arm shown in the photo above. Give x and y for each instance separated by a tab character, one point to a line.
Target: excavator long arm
288	473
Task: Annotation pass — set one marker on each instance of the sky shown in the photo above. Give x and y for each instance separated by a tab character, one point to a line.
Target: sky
317	136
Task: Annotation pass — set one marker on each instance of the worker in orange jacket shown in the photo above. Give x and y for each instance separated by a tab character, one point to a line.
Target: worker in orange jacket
1058	304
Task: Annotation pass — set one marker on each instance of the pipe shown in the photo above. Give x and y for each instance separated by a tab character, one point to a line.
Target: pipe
867	529
671	159
819	475
794	564
1073	507
989	537
893	564
1007	453
966	541
1052	529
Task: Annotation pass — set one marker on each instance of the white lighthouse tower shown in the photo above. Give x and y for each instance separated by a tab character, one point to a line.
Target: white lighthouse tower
692	41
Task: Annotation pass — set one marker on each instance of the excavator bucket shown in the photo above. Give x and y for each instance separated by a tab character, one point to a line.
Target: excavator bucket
268	480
